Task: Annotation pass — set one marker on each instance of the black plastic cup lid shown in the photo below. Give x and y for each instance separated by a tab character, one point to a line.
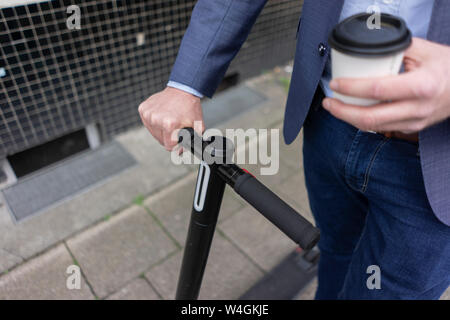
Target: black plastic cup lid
353	36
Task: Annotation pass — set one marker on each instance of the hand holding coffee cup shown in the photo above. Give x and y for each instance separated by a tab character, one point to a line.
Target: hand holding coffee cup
361	52
408	102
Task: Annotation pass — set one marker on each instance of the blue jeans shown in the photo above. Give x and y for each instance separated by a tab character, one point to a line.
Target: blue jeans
368	198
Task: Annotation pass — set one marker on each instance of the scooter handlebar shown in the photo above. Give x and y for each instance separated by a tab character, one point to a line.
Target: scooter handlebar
289	221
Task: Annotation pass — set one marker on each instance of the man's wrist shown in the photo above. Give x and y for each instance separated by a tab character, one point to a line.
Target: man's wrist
185	88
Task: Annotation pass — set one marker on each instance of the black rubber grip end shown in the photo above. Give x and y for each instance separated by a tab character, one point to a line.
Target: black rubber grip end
277	211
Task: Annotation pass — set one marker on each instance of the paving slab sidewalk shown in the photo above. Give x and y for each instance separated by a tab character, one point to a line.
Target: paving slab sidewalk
127	253
113	253
43	278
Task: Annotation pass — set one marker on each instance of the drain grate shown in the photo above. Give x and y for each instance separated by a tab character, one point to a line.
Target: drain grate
60	182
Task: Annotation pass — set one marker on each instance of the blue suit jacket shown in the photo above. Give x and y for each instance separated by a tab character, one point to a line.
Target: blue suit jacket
218	28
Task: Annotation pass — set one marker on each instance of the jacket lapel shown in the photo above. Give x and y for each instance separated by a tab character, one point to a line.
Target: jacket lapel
439	30
319	16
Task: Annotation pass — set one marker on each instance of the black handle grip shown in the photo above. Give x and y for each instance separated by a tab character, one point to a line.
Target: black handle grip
289	221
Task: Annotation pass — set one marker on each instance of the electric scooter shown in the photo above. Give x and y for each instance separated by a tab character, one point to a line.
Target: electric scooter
216	170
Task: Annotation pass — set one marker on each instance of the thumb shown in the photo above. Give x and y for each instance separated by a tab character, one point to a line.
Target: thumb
416	54
199	126
419	50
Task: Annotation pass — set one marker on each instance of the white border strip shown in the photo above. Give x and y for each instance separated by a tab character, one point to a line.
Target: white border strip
15	3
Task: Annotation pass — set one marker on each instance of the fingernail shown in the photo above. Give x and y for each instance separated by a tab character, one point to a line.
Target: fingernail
326	103
334	85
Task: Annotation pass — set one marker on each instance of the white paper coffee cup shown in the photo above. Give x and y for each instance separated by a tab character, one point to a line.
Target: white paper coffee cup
360	52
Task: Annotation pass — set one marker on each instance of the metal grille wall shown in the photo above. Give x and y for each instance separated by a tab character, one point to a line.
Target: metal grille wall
55	80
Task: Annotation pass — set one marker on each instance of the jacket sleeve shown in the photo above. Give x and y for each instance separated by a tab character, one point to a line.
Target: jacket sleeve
216	32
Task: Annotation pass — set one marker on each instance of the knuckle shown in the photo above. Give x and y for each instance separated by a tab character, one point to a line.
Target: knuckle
145	116
141	108
153	118
168	123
